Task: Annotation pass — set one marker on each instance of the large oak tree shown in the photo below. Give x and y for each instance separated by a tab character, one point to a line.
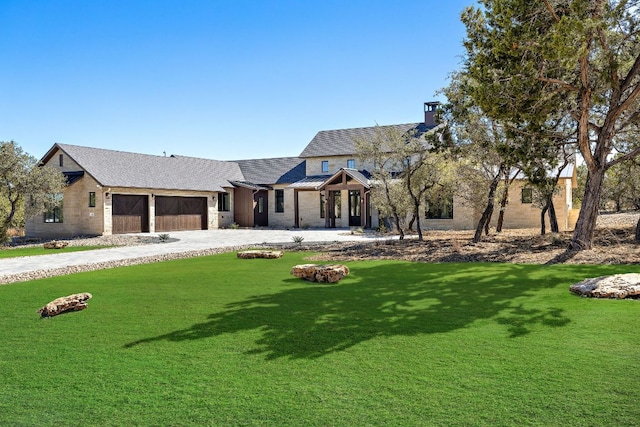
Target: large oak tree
554	60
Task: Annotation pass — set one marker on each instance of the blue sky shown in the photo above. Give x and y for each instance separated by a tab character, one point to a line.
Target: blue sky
220	79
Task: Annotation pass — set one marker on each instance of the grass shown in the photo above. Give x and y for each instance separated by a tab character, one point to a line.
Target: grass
39	250
222	341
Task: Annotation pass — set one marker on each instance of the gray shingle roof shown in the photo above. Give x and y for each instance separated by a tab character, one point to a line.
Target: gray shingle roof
123	169
341	142
280	170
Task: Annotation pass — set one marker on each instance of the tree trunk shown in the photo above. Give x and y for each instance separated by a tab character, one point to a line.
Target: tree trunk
398	226
638	231
416	216
413	219
488	211
586	224
543	224
503	206
553	219
505	197
488	222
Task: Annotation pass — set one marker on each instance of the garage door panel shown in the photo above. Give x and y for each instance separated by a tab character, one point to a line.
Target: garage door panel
180	213
130	213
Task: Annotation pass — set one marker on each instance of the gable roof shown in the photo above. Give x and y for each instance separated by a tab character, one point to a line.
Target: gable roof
280	170
360	176
123	169
341	142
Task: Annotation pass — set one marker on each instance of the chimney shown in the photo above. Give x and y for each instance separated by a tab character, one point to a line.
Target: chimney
430	113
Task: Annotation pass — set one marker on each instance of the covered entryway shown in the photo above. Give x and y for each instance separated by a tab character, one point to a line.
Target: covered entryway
180	213
250	205
356	184
130	213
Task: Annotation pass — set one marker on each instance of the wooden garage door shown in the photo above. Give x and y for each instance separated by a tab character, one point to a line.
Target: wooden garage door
130	213
181	213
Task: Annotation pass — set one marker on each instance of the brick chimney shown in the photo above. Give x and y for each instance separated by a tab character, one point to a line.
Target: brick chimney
430	113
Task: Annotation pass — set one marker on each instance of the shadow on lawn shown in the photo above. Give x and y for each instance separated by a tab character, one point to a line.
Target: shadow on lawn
381	300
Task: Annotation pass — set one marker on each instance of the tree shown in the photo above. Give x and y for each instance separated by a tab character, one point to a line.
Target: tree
388	193
24	183
481	142
621	188
572	60
425	172
405	170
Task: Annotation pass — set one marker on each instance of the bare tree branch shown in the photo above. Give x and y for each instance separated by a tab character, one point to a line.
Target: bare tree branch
552	12
559	82
631	75
620	159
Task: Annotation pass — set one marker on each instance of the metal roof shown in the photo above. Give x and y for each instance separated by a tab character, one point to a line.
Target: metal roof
310	182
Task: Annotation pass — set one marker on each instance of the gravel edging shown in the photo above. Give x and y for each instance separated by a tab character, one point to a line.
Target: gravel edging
62	271
53	272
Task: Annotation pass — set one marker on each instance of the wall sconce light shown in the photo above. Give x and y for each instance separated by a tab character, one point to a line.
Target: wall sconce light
213	198
106	195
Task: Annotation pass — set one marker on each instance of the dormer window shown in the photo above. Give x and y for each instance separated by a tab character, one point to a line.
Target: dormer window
325	166
351	164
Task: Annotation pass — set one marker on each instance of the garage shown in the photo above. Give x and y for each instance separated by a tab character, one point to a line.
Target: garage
130	213
180	213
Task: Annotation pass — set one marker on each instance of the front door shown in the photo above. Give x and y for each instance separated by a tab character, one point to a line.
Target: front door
260	209
355	219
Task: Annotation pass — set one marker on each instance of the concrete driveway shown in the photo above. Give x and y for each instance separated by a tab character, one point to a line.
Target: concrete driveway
181	241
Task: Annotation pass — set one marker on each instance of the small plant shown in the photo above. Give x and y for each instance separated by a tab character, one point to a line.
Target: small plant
163	237
234	226
455	246
297	239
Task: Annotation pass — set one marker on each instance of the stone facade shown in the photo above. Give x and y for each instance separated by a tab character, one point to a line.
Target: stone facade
301	203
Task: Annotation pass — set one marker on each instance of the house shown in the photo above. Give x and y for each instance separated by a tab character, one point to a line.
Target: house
112	192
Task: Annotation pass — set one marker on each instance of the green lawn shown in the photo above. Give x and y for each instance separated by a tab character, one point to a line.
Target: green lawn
39	250
221	341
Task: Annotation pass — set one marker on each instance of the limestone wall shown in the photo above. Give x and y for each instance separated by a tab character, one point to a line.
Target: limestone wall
314	164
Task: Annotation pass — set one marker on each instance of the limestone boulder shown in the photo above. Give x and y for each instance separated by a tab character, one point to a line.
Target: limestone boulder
75	302
321	273
54	244
259	253
617	286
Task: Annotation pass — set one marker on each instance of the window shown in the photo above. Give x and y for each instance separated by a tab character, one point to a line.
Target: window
224	202
440	208
323	204
54	213
337	203
279	200
61	160
260	204
325	166
527	196
351	164
92	199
